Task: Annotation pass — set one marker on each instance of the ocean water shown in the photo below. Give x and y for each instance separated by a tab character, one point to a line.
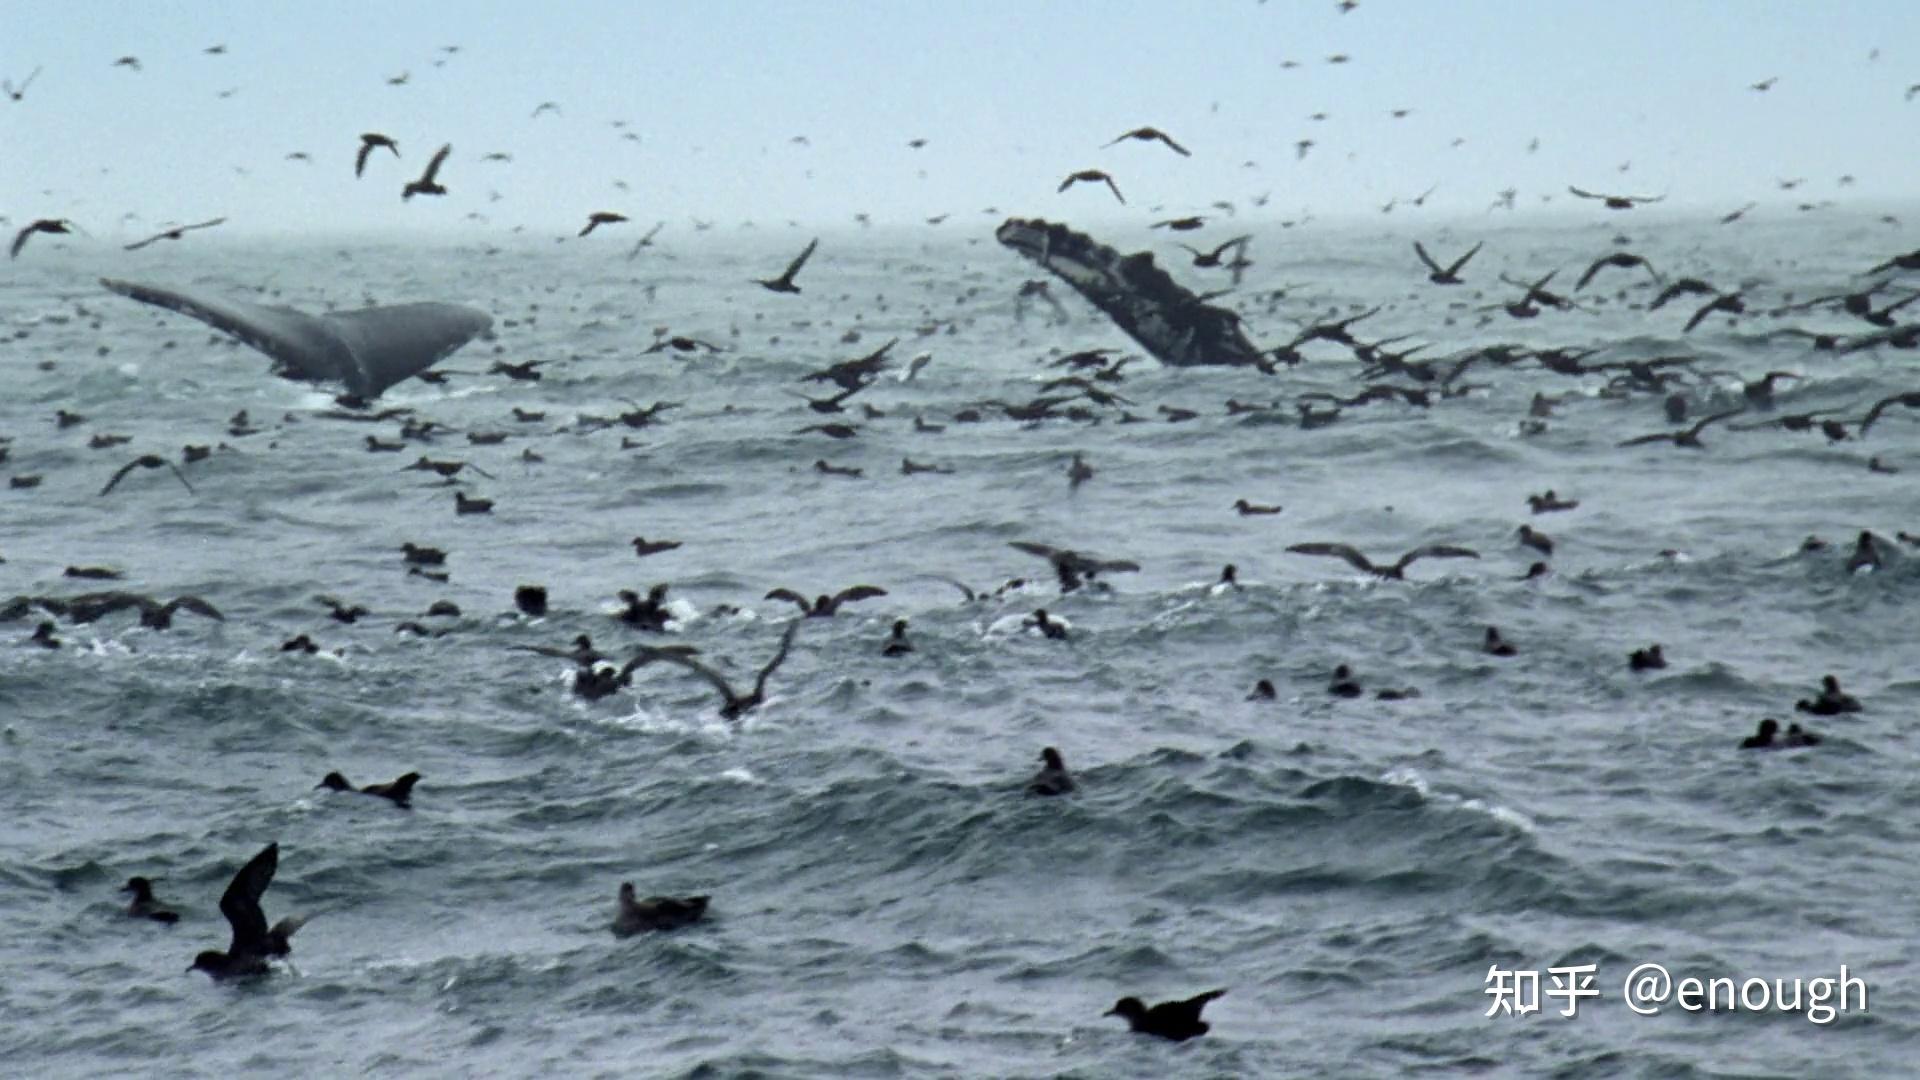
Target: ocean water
885	900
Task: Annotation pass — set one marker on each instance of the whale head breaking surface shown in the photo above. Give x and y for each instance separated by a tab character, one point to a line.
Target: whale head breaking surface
369	349
1177	327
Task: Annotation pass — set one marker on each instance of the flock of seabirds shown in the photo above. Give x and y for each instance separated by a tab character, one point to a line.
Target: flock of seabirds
1085	391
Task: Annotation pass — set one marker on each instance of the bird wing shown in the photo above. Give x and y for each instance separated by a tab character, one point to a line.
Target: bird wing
360	159
1051	554
1661	436
1354	558
1436	551
433	167
120	474
1598	265
857	592
779	657
1702	425
181	475
1584	194
19	241
789	594
91	606
1425	258
1462	260
715	678
964	590
195	605
241	903
1115	188
1700	316
1171	145
1910	400
800	260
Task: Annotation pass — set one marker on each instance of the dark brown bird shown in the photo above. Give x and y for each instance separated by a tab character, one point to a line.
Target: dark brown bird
1616	202
19	93
1689	438
655	912
1451	274
1151	134
50	226
175	233
1053	778
784	283
1185	224
368	143
399	792
1731	303
1622	259
1094	176
732	703
1911	400
1175	1020
602	217
825	606
643	547
427	185
1395	572
144	906
252	941
147	461
1204	259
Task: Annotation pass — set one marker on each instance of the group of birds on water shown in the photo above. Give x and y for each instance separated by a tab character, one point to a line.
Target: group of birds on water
1087	394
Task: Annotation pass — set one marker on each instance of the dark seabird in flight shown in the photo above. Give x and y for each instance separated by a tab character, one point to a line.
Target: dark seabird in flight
1053	778
1071	567
175	233
18	93
825	606
1683	287
400	791
341	612
144	906
368	142
1689	438
1151	134
1909	261
602	217
1451	274
1911	400
50	226
131	63
1616	202
1394	572
1185	224
252	941
147	461
1622	259
1094	176
655	912
784	283
733	704
1206	259
1175	1020
1731	303
153	614
427	185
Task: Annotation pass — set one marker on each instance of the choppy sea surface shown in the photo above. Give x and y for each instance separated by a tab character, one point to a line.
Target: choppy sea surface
885	900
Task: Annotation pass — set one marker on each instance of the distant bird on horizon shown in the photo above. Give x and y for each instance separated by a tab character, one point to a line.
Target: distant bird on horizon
784	283
427	185
1150	134
1765	84
174	233
131	63
602	217
1616	202
367	143
1094	176
1621	259
400	79
543	107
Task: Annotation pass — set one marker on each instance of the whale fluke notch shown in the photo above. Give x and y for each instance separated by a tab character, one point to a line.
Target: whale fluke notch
369	349
1167	319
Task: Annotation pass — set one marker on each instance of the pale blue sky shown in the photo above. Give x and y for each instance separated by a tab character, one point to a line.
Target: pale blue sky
1011	96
